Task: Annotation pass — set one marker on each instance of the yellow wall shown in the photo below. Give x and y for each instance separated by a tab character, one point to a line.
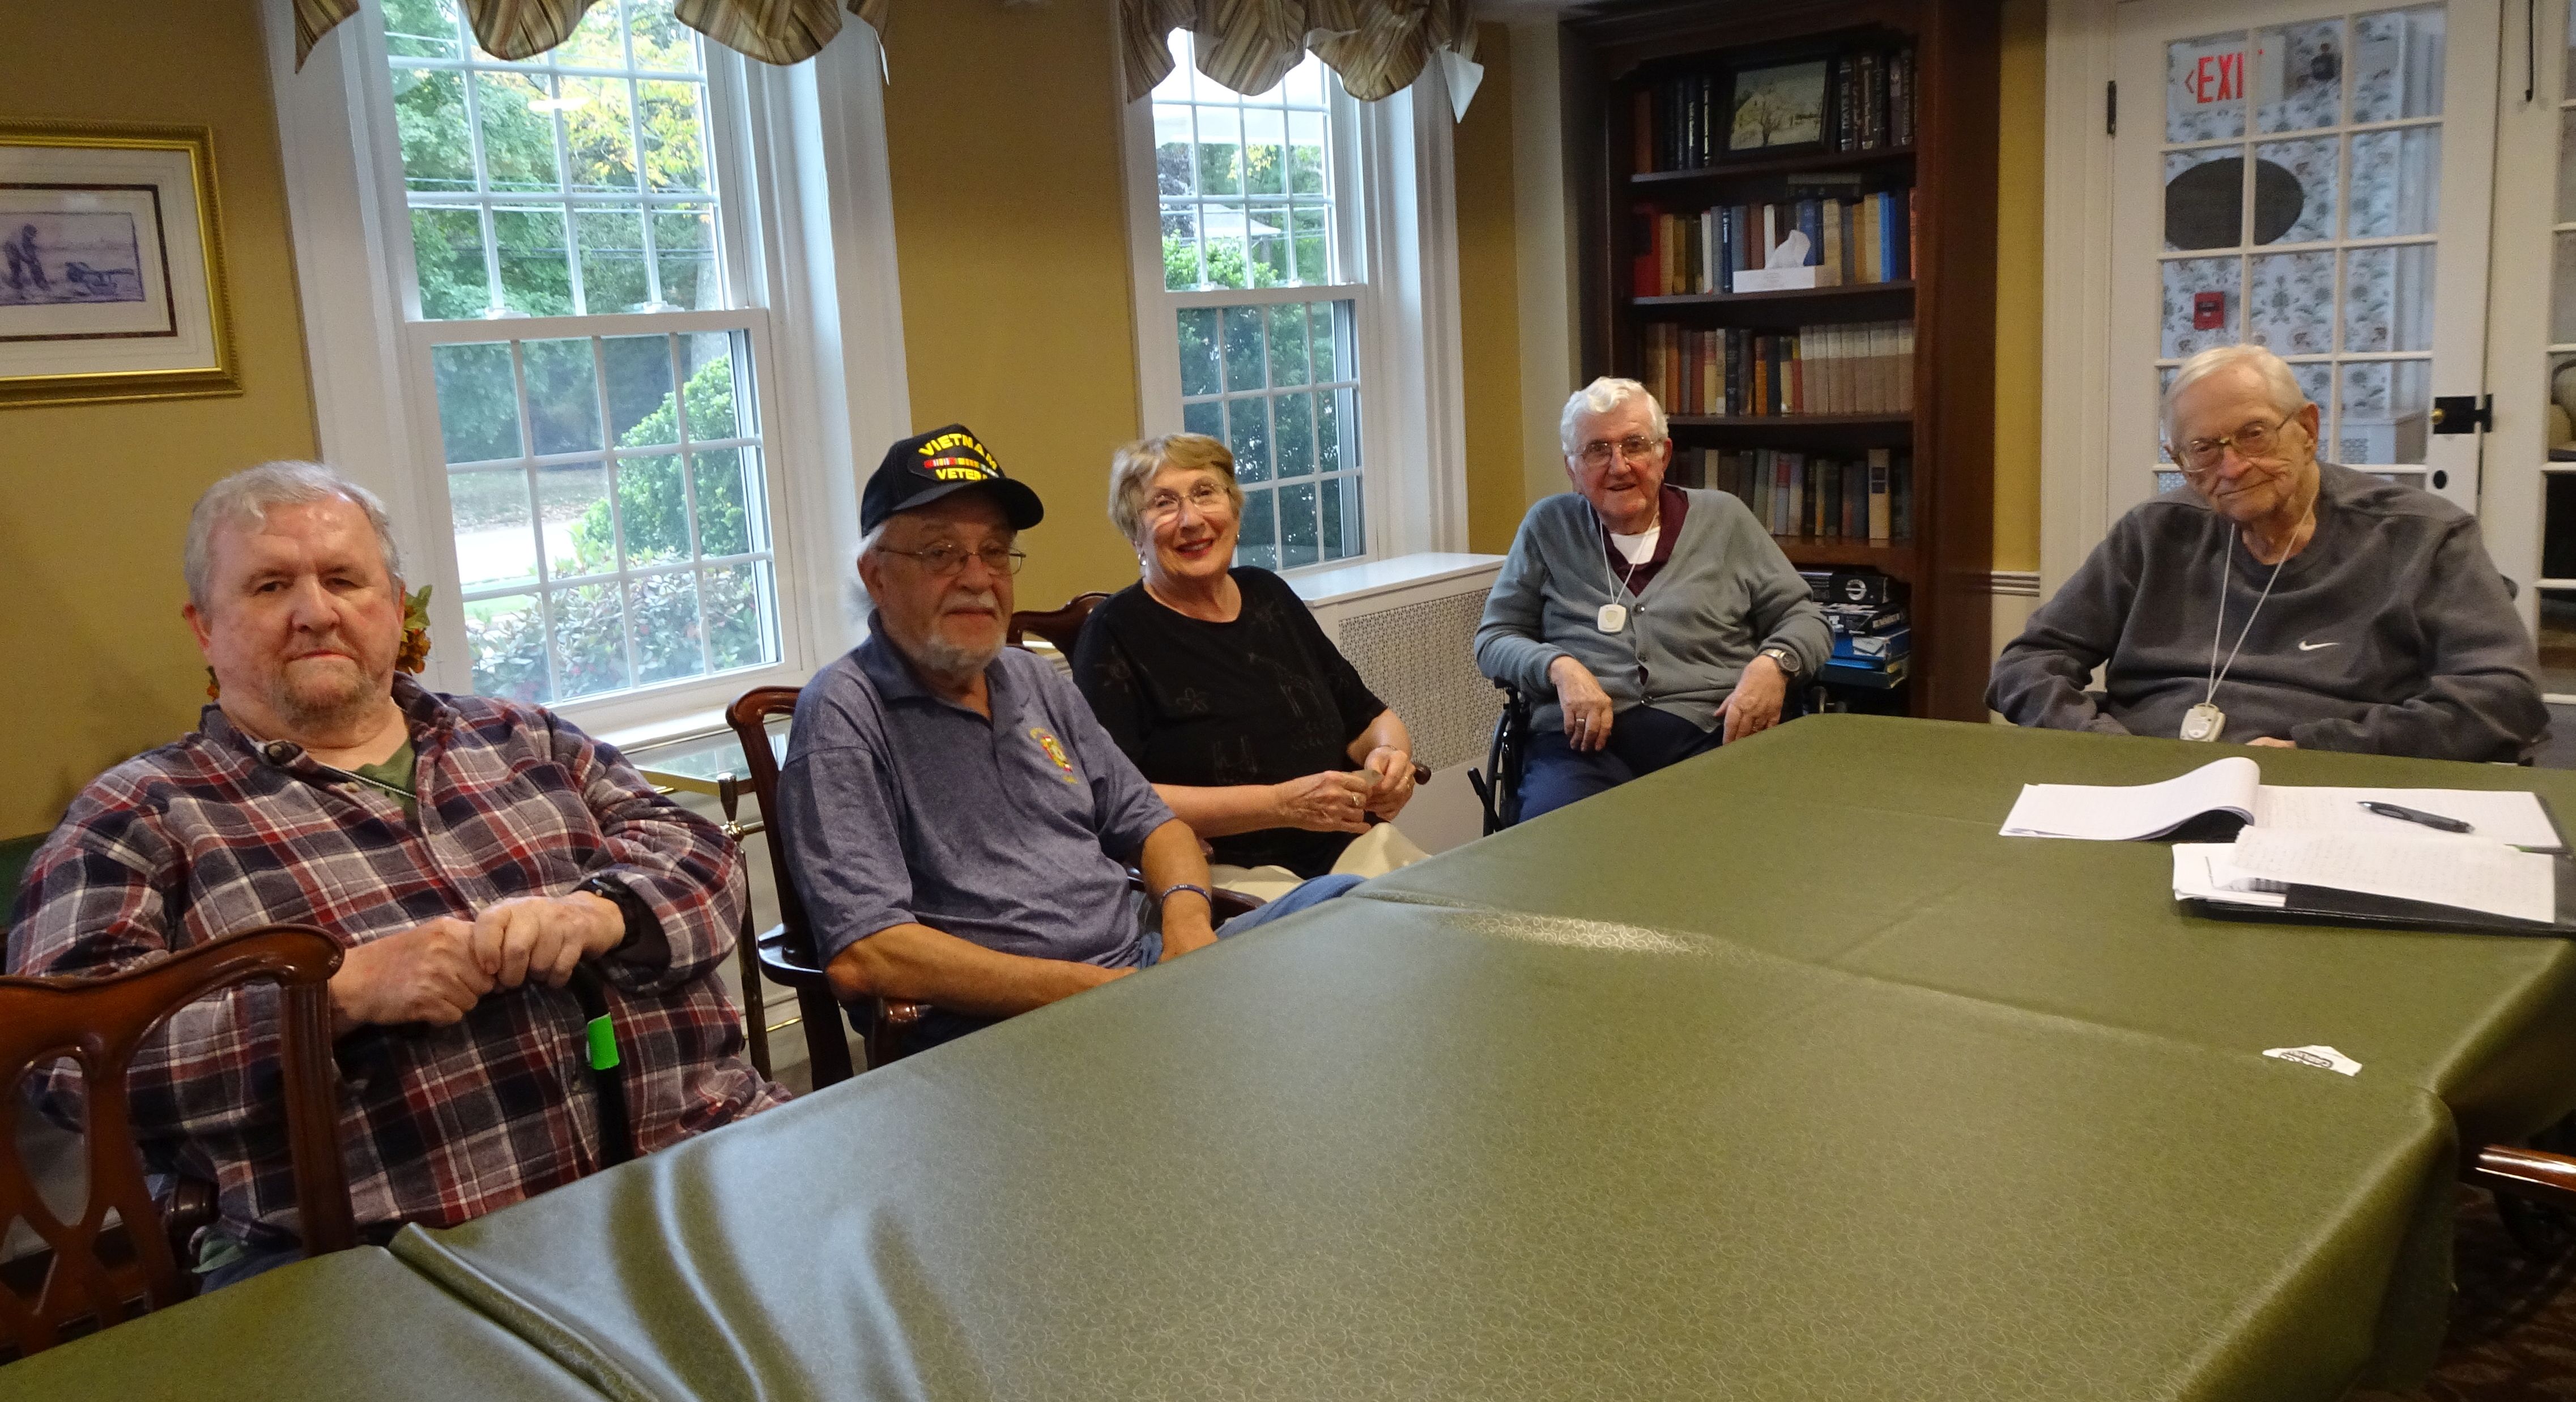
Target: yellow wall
1002	132
2018	226
1489	302
1017	293
99	665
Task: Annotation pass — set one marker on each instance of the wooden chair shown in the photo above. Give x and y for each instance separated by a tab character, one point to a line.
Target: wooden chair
2534	1186
1060	626
787	948
97	1275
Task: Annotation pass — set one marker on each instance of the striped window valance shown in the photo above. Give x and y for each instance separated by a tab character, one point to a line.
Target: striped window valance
1377	47
772	31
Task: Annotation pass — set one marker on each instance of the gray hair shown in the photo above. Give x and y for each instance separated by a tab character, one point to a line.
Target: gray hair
1600	397
2287	397
1132	469
248	494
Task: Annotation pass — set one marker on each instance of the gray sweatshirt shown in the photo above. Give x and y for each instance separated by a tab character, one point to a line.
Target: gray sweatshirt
1725	594
2391	633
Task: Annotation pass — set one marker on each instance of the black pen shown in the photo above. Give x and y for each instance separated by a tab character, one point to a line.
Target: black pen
2417	815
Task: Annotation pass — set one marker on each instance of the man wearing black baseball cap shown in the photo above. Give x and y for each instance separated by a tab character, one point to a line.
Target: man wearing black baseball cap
956	822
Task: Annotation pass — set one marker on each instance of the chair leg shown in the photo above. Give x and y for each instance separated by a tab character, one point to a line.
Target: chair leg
827	1049
755	1011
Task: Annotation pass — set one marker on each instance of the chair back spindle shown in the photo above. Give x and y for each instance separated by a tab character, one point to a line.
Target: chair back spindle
96	1275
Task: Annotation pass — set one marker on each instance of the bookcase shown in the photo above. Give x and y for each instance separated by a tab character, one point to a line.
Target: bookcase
1863	352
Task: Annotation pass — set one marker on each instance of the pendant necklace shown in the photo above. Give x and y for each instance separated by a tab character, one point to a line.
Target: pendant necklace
1613	616
2205	721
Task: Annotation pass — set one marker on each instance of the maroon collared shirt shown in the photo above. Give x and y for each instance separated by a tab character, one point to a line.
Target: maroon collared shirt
1671	503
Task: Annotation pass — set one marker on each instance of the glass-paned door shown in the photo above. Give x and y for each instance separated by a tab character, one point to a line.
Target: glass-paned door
2313	178
2530	512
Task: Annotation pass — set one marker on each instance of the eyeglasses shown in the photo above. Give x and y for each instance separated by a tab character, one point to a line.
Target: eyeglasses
1636	447
943	559
1204	498
2253	441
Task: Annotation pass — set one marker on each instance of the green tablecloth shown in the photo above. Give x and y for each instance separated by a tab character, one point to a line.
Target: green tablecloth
1870	844
353	1325
1392	1151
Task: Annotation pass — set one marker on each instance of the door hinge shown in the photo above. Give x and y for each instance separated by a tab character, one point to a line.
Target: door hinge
2463	413
2111	108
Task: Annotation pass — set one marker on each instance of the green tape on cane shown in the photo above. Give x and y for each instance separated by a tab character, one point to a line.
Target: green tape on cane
603	1044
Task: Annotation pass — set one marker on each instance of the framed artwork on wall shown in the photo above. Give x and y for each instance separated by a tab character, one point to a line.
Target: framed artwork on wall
111	265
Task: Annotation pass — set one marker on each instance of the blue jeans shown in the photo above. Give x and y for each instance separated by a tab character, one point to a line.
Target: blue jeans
940	1025
1642	740
247	1262
1311	893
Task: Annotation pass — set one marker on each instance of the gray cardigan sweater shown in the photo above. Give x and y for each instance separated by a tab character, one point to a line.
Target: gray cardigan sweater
2391	633
1725	594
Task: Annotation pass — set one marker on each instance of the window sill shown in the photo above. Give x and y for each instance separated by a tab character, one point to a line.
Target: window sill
667	730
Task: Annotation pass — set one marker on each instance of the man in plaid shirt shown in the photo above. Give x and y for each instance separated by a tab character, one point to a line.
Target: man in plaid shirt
469	853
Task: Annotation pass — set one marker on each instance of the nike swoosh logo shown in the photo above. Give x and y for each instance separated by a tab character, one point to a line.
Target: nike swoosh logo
2311	647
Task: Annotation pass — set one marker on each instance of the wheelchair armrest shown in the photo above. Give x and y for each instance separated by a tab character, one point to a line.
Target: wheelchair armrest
896	1013
2530	1173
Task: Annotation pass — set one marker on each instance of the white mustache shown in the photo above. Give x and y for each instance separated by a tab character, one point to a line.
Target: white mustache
980	599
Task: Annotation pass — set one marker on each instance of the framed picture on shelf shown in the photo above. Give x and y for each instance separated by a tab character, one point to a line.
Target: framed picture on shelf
1778	108
111	265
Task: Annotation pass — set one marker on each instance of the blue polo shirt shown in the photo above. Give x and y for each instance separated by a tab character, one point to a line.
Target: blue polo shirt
898	806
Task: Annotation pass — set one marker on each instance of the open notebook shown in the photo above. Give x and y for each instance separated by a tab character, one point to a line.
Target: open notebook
2431	881
2230	792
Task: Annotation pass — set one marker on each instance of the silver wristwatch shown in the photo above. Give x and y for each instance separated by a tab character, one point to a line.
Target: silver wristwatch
1786	660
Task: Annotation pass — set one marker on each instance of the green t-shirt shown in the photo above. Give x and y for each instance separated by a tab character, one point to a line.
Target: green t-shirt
397	774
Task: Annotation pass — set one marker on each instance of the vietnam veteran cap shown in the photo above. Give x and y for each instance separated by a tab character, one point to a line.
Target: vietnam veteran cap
927	466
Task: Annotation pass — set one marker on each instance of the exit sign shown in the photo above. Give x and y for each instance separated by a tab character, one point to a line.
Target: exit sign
2210	74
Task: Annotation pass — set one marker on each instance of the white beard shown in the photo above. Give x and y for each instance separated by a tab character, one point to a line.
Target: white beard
948	659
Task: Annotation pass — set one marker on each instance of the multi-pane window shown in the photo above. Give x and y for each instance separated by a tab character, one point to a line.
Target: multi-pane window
593	368
574	183
1261	275
2303	171
610	533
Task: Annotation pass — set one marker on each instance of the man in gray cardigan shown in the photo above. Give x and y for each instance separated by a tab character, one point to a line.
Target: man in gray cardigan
2279	600
1661	621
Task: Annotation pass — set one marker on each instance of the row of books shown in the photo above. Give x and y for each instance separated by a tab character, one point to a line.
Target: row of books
1857	368
1874	101
1861	101
1818	497
1849	242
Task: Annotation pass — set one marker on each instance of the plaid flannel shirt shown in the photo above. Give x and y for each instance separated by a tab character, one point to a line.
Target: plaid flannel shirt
216	834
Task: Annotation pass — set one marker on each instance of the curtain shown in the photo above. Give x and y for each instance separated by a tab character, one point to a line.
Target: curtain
772	31
1378	47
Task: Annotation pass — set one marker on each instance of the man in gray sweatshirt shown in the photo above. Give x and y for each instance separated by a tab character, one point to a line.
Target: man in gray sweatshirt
1657	622
2346	613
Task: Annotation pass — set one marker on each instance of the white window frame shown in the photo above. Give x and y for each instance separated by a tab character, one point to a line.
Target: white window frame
808	246
1395	212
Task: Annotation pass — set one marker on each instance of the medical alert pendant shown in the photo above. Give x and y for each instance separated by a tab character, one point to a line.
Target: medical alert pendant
1612	617
2203	722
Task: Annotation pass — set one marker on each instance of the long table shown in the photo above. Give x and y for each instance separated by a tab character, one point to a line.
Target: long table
1777	1074
1409	1152
1870	844
356	1324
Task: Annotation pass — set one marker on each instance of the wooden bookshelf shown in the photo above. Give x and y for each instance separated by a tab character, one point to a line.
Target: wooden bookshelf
1612	52
1780	165
1899	290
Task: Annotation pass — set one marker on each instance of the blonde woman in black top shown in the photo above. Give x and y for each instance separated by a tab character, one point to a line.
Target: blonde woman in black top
1218	683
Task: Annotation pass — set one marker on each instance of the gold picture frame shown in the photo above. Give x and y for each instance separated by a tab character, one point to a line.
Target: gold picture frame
111	265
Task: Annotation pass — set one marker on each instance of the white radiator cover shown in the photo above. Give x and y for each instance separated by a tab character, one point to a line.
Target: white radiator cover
1409	626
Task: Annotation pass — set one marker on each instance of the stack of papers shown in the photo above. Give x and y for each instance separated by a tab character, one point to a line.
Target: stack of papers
2263	867
2322	853
2233	787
